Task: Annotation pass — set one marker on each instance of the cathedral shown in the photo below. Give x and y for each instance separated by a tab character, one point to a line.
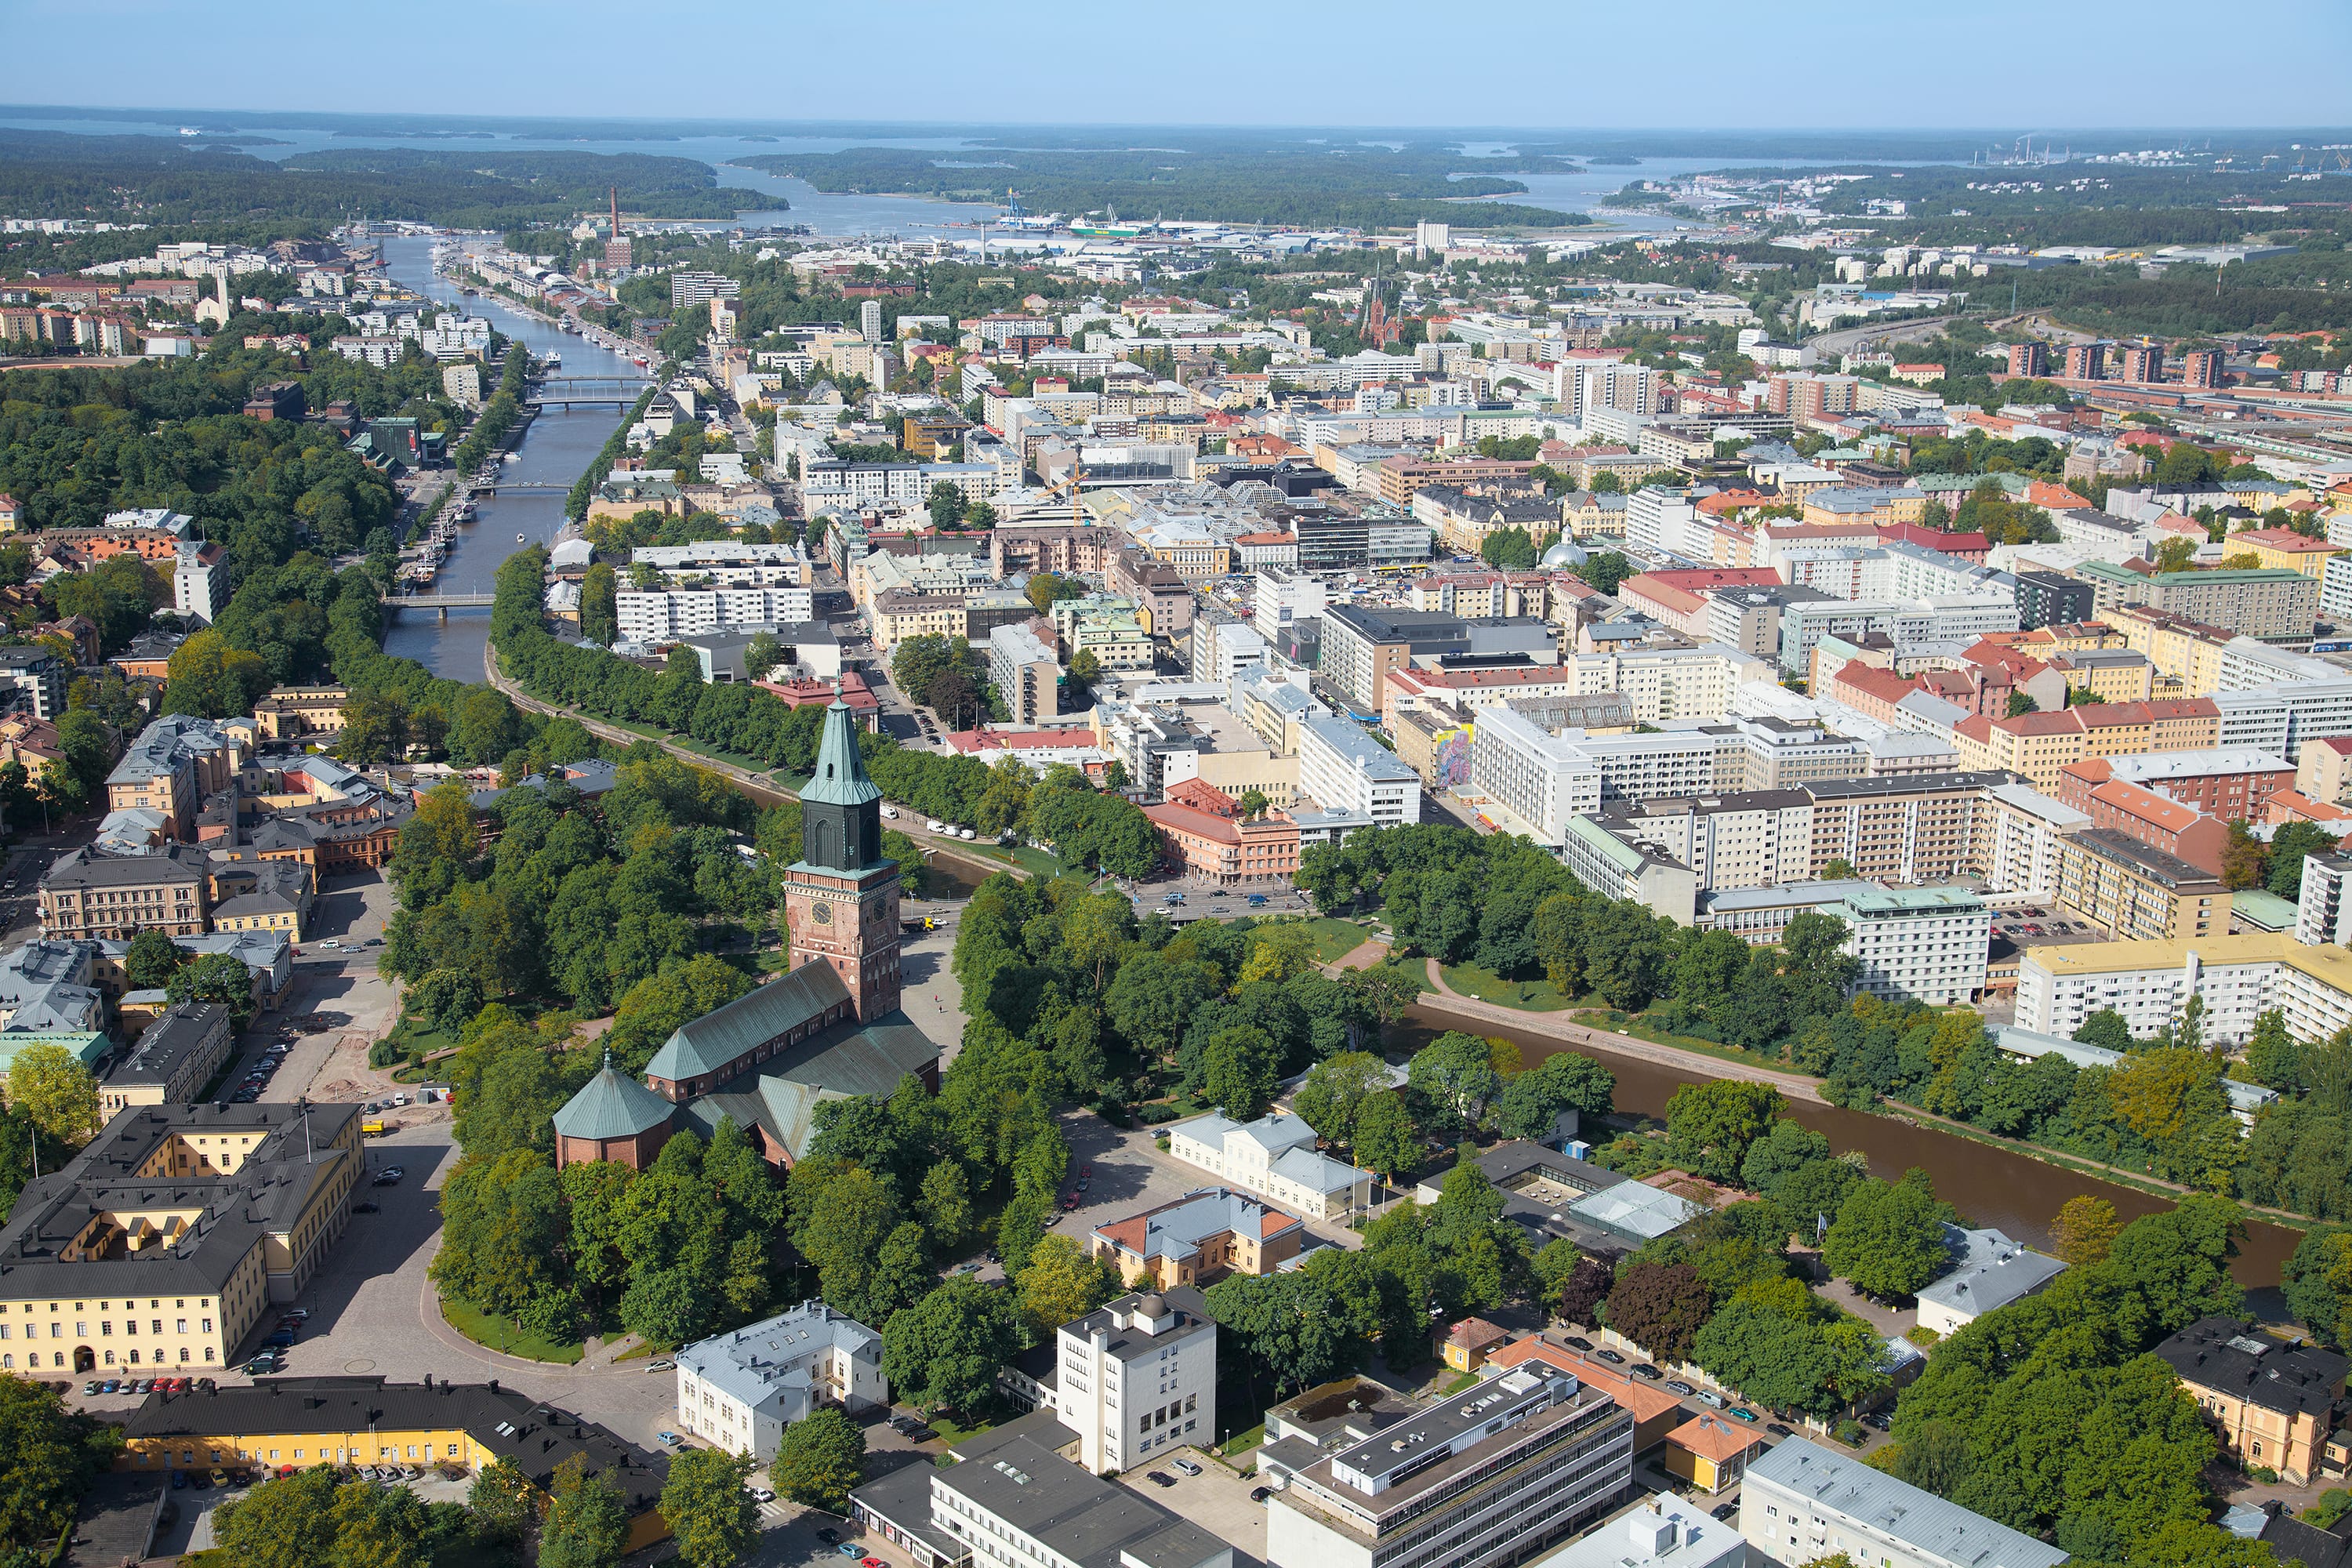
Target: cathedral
829	1027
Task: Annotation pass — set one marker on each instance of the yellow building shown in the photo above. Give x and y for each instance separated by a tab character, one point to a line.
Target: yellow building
294	1422
1711	1452
2284	548
166	1239
289	713
2137	893
1469	1343
2189	651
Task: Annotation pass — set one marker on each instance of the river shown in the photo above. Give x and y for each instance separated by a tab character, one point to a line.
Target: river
559	443
1989	1185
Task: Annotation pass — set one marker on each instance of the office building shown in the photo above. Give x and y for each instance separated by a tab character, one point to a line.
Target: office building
1918	944
2048	599
1009	1500
92	893
200	584
1137	1378
1361	646
1615	866
164	1240
1745	839
1801	1502
1661	684
1025	674
1988	1271
174	1059
1519	1459
740	1390
1274	1158
1541	778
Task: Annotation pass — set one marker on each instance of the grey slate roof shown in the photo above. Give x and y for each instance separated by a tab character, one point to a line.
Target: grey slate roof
1013	1473
1835	1481
611	1105
766	1365
1989	1270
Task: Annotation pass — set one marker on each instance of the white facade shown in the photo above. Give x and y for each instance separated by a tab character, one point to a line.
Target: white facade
1672	683
2239	978
2021	830
1753	840
1542	779
1800	1502
1645	767
1136	1378
2322	912
1275	1159
199	587
738	1391
1282	598
1926	944
1222	649
665	614
1339	765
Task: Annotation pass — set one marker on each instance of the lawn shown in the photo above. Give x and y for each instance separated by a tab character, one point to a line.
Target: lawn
1241	1442
1037	862
1334	938
1533	995
500	1334
953	1433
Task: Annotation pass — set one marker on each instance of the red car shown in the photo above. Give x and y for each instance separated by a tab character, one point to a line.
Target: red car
1069	1202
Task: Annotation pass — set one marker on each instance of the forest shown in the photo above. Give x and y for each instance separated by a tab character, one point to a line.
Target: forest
162	180
1294	183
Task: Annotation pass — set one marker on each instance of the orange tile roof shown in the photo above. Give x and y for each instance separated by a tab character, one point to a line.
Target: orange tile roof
2282	539
1476	1333
2161	811
1646	1401
2042	493
1714	1437
1871	681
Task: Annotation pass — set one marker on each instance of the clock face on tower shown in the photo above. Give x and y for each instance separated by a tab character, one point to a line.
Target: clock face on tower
822	913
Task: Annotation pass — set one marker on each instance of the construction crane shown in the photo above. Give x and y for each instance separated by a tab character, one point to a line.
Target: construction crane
1076	485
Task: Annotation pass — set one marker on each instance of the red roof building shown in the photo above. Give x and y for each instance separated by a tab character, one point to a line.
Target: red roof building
1221	849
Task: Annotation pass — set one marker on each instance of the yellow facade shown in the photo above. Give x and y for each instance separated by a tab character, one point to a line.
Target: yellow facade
2188	653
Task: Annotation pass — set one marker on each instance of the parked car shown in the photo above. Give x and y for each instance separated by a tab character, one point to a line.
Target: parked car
1605	1353
1876	1422
1579	1342
933	826
179	1481
1778	1429
828	1535
1710	1397
1257	900
111	1386
964	832
1160	1478
761	1494
1725	1510
1186	1466
1740	1412
89	1388
363	1208
1259	1494
296	1314
664	1364
1645	1370
850	1549
668	1439
281	1339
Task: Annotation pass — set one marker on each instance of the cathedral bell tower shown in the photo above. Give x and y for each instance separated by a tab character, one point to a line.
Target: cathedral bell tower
841	898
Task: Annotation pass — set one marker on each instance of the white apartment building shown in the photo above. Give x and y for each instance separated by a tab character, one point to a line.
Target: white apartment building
1025	674
729	563
666	614
1800	1502
1222	649
1628	388
2322	912
738	1391
1924	944
1749	839
1664	683
200	585
1339	765
1963	618
831	479
1273	1157
2240	977
1643	767
1539	777
1136	1377
1657	518
2281	717
2019	831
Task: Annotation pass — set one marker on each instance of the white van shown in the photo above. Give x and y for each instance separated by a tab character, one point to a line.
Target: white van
891	813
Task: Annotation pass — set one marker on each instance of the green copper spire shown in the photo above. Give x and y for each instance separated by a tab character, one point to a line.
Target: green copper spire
840	768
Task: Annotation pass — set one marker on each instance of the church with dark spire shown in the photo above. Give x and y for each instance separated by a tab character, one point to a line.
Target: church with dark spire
829	1027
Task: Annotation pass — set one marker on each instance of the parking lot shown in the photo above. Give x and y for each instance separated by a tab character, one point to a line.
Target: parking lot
1203	899
1216	1499
2044	927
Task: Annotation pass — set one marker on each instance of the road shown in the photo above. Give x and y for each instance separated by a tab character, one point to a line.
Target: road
1845	340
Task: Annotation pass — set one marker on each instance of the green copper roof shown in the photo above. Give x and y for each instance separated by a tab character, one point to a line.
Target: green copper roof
611	1105
840	769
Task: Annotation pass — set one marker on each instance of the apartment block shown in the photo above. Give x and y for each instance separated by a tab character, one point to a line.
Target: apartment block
90	893
1477	1480
1747	839
2016	836
1668	683
2271	605
1610	863
2137	892
666	615
2239	977
1340	765
2041	745
2322	912
2227	782
1906	828
1024	673
2161	823
1919	945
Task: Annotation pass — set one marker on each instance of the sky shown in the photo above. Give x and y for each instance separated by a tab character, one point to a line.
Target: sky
2046	64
